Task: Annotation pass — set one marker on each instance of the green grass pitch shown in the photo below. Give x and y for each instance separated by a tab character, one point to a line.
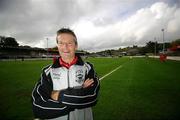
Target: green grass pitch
142	89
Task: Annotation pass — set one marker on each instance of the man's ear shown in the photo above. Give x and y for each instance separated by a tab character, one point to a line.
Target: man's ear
76	48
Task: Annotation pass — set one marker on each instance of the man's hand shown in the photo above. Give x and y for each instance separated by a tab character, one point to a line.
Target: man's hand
55	94
88	83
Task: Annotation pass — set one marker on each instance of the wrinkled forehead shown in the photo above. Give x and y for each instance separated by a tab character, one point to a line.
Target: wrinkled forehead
65	37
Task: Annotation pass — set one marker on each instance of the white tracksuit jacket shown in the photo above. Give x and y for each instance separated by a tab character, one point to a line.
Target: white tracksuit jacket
74	102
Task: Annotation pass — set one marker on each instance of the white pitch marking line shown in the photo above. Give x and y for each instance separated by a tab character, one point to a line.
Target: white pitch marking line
110	72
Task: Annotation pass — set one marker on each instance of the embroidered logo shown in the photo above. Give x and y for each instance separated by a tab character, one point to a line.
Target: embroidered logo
56	75
79	76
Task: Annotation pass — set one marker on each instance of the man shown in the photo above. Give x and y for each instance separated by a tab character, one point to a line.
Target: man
69	87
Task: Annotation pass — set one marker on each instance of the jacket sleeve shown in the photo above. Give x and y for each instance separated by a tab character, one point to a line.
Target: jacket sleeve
43	106
82	97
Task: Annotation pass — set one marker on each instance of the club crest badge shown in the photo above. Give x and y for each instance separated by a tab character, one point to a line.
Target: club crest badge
79	76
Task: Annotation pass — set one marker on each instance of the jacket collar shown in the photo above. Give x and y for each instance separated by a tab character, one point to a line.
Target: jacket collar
57	64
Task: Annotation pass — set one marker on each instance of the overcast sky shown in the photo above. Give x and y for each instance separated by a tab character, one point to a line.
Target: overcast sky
98	24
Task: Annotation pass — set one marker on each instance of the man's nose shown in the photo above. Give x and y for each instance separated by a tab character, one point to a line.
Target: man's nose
65	45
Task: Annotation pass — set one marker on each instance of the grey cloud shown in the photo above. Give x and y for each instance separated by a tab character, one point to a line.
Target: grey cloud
106	21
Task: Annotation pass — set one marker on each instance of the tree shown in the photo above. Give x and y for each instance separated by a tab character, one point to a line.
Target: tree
150	47
175	43
2	39
8	41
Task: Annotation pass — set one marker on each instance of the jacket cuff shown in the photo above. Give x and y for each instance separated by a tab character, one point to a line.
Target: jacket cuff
61	95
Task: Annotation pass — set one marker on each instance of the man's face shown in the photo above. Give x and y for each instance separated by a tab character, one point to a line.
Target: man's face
66	45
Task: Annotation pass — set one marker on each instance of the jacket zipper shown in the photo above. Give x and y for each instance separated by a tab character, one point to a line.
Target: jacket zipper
68	88
68	78
69	116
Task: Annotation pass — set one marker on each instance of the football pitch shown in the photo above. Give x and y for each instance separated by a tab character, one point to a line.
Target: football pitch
140	89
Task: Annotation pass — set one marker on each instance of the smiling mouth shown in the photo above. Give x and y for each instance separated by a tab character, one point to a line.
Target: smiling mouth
66	52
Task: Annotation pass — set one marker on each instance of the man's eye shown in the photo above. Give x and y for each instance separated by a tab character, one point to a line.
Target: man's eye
60	43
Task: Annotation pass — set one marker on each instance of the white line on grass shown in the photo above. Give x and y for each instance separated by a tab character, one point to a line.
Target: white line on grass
110	72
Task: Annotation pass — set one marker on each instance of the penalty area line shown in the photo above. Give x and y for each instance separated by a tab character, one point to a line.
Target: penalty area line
110	72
